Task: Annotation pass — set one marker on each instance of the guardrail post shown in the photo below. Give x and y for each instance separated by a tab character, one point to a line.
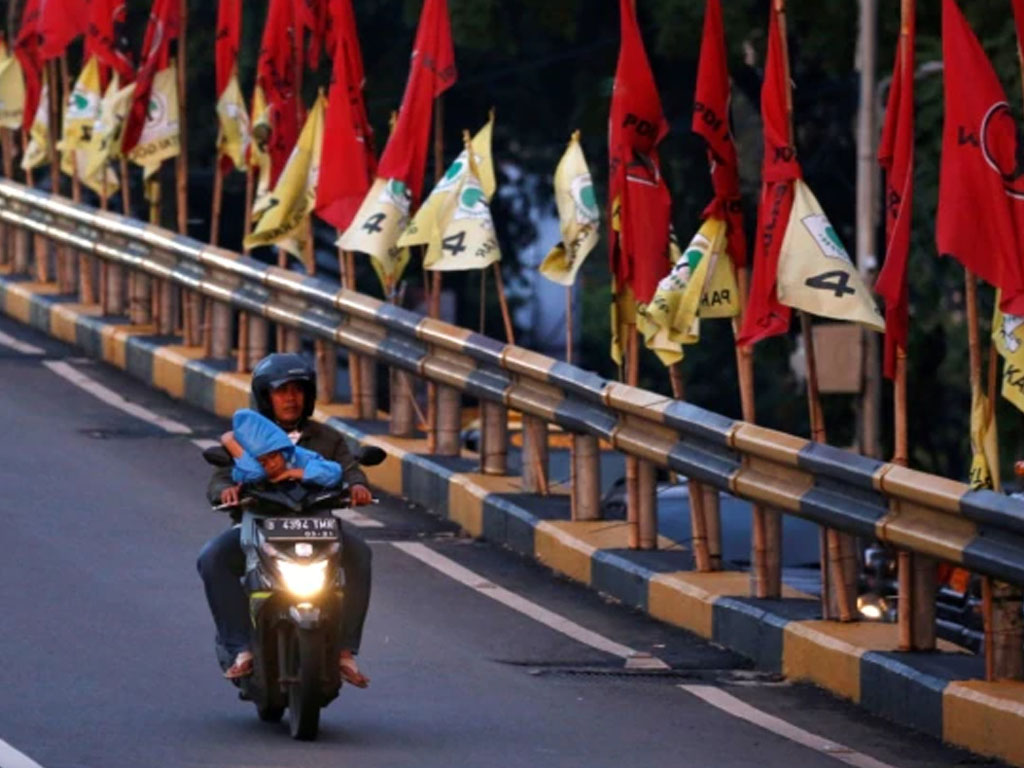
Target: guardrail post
41	247
114	291
86	279
220	329
367	372
766	546
586	478
402	412
5	244
21	258
1007	632
647	519
166	308
288	340
713	522
253	336
493	438
535	455
698	527
916	602
140	307
326	370
449	421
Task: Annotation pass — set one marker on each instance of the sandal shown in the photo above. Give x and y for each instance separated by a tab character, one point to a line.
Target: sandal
241	668
350	672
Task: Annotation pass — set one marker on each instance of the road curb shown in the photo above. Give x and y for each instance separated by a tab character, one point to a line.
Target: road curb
938	693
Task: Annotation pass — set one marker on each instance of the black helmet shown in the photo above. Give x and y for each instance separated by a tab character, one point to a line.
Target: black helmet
277	369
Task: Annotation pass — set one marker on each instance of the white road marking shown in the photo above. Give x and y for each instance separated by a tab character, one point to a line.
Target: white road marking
358	519
12	758
726	702
526	607
112	398
202	443
20	346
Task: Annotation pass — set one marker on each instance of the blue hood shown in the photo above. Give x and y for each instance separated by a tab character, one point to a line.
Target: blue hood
258	435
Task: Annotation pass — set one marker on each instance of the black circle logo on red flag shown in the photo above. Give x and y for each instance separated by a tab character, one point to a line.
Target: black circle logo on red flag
1003	148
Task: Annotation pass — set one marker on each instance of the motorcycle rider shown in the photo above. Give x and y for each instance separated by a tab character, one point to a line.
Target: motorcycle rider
284	390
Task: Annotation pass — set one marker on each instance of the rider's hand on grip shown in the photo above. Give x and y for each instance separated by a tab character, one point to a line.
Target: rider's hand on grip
360	495
230	495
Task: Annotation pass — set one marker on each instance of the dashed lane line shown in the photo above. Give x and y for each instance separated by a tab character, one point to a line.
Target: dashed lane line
112	398
358	519
20	346
202	443
634	659
12	758
728	703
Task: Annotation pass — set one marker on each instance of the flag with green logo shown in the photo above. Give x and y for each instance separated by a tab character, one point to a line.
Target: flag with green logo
377	225
578	216
104	142
429	214
159	139
81	114
815	273
285	219
464	236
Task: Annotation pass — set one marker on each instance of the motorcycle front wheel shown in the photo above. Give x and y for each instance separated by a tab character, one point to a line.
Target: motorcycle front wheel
305	670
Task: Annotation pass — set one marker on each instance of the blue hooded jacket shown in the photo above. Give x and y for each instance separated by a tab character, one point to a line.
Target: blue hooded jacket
258	435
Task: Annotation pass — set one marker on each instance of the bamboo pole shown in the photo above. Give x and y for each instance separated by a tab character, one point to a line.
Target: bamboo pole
53	95
632	462
433	279
86	284
695	492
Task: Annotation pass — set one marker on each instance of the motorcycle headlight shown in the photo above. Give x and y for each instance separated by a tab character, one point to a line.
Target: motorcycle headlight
303	579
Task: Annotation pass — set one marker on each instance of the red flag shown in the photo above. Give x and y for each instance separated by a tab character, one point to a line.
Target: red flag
314	15
765	316
636	127
26	49
106	38
981	180
229	31
431	73
60	22
711	121
164	22
896	156
347	170
276	75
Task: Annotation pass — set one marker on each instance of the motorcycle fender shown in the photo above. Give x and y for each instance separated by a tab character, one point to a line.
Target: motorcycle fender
305	616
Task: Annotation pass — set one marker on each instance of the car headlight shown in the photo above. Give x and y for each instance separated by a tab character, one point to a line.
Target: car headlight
303	579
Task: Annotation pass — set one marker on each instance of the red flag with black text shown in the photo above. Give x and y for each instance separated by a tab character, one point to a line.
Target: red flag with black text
711	121
26	49
896	156
60	22
981	180
765	315
229	31
276	75
106	38
636	127
164	23
347	170
431	73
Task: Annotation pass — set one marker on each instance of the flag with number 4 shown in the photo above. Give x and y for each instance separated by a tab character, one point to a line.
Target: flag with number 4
815	272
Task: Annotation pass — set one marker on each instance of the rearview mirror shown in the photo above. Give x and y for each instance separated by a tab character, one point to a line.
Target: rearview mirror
218	456
371	455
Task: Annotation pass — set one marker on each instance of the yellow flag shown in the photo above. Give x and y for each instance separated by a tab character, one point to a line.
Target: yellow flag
82	108
259	154
376	227
285	220
12	92
815	273
464	237
79	160
578	216
37	151
104	142
160	139
623	317
984	444
1008	337
428	217
233	118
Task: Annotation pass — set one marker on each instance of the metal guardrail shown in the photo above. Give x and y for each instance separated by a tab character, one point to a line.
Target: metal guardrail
914	512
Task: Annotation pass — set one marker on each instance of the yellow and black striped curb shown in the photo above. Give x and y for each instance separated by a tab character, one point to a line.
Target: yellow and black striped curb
941	693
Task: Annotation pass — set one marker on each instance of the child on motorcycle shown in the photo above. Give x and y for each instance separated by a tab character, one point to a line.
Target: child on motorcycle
262	451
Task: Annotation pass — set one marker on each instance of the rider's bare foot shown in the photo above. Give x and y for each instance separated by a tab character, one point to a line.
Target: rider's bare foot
241	668
350	670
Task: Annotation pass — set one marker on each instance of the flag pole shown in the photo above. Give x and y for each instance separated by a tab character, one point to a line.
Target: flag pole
191	302
38	244
833	555
433	281
86	290
54	118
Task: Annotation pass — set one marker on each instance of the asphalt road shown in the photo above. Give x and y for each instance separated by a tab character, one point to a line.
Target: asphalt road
106	656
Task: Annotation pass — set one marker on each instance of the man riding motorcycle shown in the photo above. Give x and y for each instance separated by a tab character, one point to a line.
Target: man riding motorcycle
284	390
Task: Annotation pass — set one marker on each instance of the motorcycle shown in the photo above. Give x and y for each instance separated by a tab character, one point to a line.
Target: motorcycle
292	542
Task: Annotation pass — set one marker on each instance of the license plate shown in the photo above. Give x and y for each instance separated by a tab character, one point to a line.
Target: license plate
300	528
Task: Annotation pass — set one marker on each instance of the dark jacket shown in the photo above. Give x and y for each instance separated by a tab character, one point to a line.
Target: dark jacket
315	437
